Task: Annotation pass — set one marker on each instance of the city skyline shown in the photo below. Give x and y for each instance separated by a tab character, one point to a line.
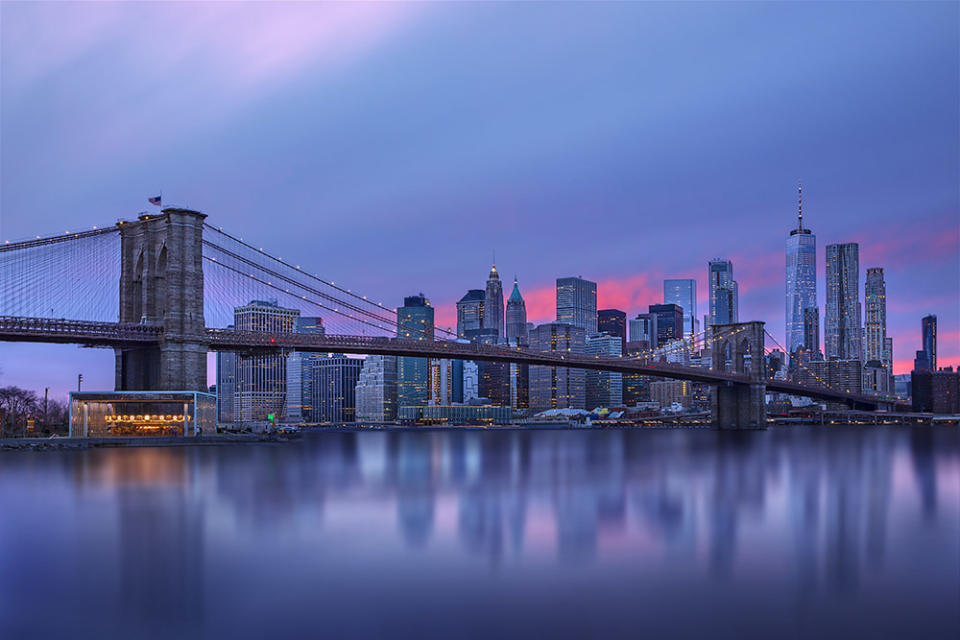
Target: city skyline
531	166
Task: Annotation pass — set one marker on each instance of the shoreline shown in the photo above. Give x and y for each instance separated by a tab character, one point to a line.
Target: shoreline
84	444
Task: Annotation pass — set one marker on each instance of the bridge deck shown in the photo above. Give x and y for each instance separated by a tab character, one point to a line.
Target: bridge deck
113	334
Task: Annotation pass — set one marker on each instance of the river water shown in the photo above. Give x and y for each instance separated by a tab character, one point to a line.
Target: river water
792	532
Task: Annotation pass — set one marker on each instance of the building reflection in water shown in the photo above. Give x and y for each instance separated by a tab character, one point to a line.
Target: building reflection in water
814	509
159	541
692	492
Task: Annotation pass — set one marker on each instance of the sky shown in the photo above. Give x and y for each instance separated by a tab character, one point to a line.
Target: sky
395	147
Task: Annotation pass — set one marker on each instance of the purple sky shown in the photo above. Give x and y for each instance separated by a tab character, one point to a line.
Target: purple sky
393	147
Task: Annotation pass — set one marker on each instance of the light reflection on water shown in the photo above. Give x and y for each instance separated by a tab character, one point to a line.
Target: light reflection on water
791	532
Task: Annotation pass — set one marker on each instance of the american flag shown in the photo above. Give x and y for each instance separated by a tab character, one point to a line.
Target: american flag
155	200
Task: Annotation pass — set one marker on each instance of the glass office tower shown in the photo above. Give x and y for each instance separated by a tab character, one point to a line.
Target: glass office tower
577	303
801	278
683	293
414	322
724	293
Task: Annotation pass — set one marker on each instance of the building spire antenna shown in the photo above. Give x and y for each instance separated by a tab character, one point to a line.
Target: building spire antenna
799	206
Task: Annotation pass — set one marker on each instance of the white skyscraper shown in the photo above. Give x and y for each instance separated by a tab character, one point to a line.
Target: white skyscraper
801	278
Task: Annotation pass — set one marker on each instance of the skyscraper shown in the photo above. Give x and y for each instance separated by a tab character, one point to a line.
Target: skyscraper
669	322
577	303
683	293
261	381
334	388
557	387
516	317
724	293
604	388
801	278
300	374
643	330
875	298
226	386
928	329
614	323
843	331
376	393
493	304
470	311
414	322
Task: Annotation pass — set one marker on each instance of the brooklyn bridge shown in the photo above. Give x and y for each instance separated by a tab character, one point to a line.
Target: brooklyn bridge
161	291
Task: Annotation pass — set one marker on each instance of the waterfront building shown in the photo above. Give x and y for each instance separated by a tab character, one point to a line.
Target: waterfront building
414	322
840	375
557	387
106	414
519	387
300	374
471	381
494	382
666	392
456	414
334	388
643	329
613	322
577	303
376	392
516	323
446	381
604	388
493	304
843	332
936	391
801	278
226	386
683	293
669	322
724	293
636	387
876	377
261	380
470	311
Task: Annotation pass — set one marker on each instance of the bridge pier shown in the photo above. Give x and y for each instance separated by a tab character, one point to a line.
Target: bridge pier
161	284
739	347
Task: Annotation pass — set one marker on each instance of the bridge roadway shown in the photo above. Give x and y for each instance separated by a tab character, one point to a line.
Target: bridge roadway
110	334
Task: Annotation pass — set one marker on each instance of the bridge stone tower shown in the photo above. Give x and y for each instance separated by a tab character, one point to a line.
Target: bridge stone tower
161	283
738	348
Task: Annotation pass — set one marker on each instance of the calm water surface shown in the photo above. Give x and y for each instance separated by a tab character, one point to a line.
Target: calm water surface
792	532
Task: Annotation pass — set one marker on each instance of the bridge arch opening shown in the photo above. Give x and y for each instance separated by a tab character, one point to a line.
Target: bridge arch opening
137	287
744	356
726	356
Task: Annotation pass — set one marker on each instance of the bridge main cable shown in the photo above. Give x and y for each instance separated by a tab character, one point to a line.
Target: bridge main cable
50	240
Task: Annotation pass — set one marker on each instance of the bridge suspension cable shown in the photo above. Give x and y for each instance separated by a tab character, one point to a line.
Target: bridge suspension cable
253	272
74	275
